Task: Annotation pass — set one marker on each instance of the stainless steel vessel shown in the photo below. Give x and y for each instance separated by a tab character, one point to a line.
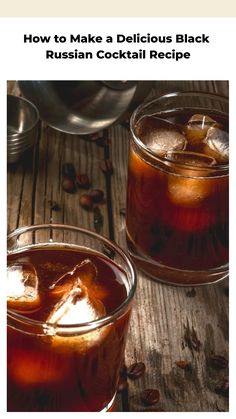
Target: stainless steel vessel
22	127
84	107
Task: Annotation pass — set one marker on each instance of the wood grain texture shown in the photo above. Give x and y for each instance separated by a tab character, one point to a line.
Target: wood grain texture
161	314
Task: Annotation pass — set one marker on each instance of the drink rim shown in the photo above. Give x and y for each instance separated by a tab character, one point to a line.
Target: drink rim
86	326
140	145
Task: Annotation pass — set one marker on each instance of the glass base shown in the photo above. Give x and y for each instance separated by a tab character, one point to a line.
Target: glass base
173	276
110	406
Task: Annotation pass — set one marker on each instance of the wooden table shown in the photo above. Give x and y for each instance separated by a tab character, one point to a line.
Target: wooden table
163	316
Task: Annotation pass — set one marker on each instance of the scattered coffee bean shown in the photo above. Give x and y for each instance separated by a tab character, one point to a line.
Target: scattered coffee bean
107	167
95	136
136	370
183	364
68	171
191	338
191	293
83	181
68	185
54	205
97	195
218	362
102	141
150	396
222	388
86	202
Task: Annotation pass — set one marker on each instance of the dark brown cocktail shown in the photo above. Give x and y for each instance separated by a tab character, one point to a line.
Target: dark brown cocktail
68	316
177	205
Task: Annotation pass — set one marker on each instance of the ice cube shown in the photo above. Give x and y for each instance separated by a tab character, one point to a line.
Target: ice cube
86	271
189	186
160	135
217	144
190	158
76	306
187	191
80	303
22	287
197	128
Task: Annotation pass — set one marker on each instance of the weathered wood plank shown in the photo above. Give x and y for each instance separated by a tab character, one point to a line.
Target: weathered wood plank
15	177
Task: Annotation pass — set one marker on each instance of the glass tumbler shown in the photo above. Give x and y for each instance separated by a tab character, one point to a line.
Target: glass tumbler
177	199
70	294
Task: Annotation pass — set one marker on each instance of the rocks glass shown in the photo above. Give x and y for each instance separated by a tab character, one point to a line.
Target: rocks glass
70	294
177	199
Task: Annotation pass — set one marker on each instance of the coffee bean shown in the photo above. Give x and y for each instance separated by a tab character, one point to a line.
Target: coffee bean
183	364
68	171
54	206
191	293
136	370
106	166
150	396
68	185
101	141
94	136
83	181
191	338
97	195
86	202
222	387
218	362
